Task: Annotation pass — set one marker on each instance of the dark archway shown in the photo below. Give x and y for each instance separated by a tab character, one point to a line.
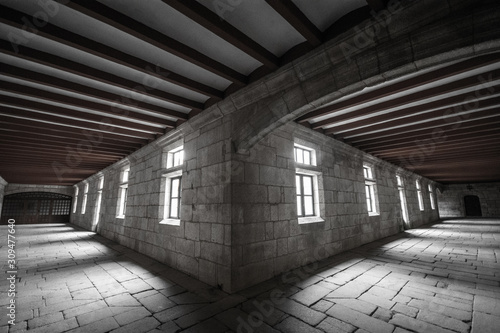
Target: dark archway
472	205
36	207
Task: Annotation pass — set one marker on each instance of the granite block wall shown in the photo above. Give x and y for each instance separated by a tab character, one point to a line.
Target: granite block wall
200	244
3	184
239	222
12	188
269	239
451	199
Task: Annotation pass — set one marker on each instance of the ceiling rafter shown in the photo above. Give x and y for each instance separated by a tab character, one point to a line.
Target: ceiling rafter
447	138
413	82
26	92
435	133
419	159
212	22
298	20
411	115
69	66
117	101
40	143
402	101
76	124
439	147
109	16
14	18
63	155
483	116
12	125
66	116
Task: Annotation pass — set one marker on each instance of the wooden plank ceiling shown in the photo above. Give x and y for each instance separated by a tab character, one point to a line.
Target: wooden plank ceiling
85	83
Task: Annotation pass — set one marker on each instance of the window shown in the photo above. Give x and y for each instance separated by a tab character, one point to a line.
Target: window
431	195
370	190
402	198
305	195
75	202
123	193
307	180
172	186
419	195
175	198
85	193
100	186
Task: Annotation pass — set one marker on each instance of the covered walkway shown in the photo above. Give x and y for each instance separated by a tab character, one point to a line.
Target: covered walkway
443	277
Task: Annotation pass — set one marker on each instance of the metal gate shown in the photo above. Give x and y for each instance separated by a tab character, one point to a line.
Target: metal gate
36	207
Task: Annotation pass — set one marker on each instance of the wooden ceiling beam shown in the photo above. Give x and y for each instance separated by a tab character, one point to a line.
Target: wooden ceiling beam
79	69
14	126
420	96
422	141
480	117
414	82
15	18
418	113
437	148
34	144
298	20
406	160
220	27
111	17
25	92
34	138
73	123
43	153
118	101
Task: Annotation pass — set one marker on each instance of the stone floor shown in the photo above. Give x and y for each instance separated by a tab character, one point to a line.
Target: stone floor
443	277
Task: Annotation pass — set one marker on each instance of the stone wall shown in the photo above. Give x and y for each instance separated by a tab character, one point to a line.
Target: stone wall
451	199
19	188
239	221
200	245
3	184
267	237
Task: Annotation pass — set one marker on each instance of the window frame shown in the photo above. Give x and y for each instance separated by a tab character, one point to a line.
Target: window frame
75	203
167	190
173	165
85	196
123	193
310	170
402	198
172	197
301	195
431	197
371	192
420	197
97	211
303	149
173	159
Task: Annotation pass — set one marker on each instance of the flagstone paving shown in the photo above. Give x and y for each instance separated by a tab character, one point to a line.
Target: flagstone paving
442	277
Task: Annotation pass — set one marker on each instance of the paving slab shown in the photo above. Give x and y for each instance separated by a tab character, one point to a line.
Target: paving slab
443	277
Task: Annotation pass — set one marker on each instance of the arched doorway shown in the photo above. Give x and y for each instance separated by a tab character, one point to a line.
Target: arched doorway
36	207
472	205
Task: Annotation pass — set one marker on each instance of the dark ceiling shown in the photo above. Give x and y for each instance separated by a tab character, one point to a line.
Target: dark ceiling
85	83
